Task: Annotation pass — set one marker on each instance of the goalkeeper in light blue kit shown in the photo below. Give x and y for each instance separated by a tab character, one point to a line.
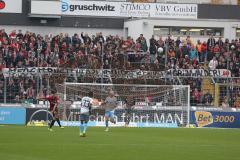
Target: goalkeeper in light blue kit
110	104
85	112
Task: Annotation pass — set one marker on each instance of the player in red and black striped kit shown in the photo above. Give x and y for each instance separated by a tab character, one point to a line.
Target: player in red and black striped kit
54	102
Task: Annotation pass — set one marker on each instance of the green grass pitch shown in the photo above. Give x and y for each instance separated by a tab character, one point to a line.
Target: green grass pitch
37	143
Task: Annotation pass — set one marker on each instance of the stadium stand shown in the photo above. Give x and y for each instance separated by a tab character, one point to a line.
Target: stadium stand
19	50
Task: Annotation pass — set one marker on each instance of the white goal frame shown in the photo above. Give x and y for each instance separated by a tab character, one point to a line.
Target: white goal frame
137	85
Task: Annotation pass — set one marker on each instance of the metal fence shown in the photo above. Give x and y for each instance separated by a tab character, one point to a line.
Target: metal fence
205	91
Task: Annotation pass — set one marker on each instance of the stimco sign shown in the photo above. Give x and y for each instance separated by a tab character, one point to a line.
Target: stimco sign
135	9
10	6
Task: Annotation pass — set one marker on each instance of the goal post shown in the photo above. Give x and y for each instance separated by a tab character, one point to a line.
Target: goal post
142	105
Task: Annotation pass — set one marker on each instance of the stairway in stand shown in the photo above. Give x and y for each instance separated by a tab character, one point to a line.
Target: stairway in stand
207	85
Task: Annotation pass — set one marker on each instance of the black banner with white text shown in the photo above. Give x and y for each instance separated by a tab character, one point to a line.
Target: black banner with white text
115	74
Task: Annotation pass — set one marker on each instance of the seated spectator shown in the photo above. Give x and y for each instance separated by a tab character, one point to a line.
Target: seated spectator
75	40
197	95
13	35
178	42
171	53
211	42
160	42
30	94
199	47
128	43
184	50
189	41
237	101
225	103
169	41
12	89
221	65
17	99
232	67
171	64
1	91
213	63
143	43
86	39
186	61
193	54
152	49
216	50
138	46
207	98
220	42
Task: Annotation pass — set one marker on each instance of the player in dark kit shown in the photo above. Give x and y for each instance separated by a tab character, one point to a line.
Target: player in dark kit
130	102
54	102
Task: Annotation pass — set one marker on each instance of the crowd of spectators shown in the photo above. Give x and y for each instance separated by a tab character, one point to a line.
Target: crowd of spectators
18	50
82	50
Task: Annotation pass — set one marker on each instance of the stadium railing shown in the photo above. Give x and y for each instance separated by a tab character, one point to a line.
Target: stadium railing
205	91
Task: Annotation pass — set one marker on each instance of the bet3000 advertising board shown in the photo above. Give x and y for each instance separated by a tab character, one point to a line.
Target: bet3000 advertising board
216	119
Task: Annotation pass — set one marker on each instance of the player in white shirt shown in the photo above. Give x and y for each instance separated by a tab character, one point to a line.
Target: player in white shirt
85	111
109	105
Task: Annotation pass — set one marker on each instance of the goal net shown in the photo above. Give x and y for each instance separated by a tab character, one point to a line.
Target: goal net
137	106
227	95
